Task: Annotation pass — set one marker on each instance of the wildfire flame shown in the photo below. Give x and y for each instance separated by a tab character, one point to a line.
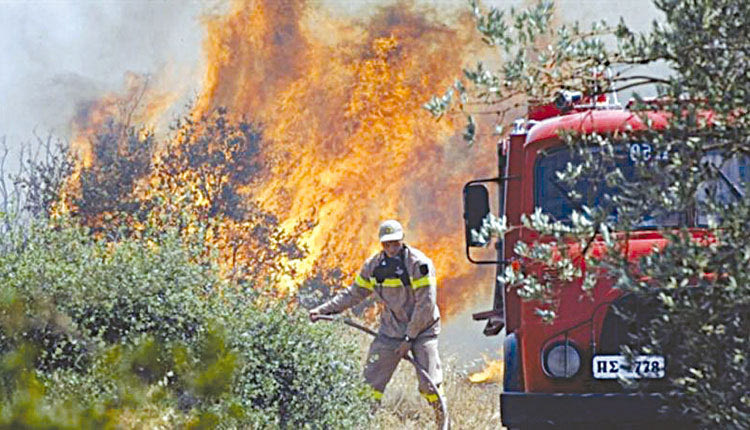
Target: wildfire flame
137	104
346	141
493	372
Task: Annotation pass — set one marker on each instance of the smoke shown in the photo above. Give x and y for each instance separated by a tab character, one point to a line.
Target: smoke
59	55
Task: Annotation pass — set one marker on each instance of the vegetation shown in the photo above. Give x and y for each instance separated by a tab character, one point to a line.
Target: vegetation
117	308
698	285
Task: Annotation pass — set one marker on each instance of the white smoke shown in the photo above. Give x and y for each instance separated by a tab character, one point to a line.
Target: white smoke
56	54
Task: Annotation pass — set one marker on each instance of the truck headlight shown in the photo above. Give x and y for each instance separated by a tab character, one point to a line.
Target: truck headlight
561	360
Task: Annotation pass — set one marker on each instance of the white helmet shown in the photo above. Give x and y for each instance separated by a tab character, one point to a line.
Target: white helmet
390	230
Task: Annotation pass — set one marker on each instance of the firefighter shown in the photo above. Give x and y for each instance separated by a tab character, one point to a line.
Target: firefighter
404	279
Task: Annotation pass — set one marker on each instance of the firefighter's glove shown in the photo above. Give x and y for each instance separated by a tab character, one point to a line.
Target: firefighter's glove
315	314
404	347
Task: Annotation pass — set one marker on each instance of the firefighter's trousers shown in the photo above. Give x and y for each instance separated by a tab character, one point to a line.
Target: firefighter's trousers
382	361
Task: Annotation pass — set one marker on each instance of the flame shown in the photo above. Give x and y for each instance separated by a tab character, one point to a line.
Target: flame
492	373
346	141
351	145
136	104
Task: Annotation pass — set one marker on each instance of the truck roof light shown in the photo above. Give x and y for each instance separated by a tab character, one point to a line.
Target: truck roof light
566	99
519	127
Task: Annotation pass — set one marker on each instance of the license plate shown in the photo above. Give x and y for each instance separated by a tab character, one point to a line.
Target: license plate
616	366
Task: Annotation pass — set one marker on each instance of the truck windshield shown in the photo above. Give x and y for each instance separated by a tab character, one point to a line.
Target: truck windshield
552	195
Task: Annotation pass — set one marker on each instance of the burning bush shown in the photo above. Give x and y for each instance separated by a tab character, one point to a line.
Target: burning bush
146	291
195	181
122	156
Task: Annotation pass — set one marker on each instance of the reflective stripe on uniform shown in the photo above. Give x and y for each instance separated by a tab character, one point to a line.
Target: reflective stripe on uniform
389	282
433	397
424	281
362	282
392	282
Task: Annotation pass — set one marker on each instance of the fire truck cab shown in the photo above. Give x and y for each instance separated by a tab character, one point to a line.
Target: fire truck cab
561	374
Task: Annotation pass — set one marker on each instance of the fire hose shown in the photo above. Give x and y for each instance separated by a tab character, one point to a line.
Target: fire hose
408	357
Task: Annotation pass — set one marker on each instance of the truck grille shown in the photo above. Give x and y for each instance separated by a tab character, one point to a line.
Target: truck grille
621	322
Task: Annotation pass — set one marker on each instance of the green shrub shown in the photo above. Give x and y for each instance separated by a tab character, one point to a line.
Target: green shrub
300	371
125	328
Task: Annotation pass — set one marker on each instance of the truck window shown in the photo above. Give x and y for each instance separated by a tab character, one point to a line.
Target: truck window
552	195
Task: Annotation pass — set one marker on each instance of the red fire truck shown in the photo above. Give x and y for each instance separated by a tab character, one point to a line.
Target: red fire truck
564	374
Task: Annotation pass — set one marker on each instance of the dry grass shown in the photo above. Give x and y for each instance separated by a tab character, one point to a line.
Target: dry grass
471	406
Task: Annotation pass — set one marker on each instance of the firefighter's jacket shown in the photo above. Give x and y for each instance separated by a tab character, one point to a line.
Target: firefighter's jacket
408	287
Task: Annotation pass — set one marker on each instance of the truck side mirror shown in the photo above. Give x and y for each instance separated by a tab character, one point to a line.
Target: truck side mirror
476	209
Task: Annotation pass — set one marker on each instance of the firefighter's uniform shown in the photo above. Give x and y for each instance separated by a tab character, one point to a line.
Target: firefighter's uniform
407	286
